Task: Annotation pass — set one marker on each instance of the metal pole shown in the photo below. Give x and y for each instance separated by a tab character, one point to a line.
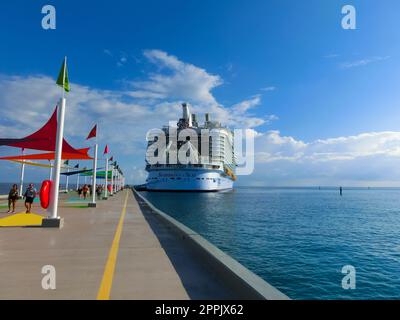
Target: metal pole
77	181
21	186
53	208
51	170
106	180
67	182
112	180
93	204
116	180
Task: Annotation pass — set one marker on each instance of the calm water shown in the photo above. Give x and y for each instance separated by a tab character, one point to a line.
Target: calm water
299	239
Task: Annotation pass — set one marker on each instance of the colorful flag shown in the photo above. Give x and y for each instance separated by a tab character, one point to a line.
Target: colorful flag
63	80
112	159
92	133
106	150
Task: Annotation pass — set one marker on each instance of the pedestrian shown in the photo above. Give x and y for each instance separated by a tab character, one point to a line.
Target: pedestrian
30	195
85	191
80	192
12	198
99	191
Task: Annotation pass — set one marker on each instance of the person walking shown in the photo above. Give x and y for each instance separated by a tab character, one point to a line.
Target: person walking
80	192
99	191
12	198
30	195
85	190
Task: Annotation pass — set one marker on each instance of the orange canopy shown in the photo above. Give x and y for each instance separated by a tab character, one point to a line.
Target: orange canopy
81	154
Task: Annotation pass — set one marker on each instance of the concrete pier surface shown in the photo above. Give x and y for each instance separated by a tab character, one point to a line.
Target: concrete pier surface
119	250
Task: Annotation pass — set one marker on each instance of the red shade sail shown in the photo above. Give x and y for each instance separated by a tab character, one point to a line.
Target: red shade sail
45	138
80	154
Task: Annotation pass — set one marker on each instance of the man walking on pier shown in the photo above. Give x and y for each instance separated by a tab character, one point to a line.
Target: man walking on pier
30	195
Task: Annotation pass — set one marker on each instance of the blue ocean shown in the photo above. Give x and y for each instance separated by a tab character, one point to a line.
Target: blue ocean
300	239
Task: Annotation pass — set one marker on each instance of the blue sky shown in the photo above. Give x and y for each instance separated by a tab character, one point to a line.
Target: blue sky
310	88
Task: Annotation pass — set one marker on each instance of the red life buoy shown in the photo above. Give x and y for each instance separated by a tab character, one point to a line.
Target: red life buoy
45	193
109	188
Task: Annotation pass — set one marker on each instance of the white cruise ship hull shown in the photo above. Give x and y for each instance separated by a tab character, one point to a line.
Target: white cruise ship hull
195	180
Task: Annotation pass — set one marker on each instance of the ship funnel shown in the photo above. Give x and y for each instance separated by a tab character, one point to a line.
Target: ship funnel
187	116
194	120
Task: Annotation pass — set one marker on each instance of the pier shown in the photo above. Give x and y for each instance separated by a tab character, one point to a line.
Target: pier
123	249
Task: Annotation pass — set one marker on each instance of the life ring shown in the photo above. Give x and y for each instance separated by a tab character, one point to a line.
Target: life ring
109	188
45	193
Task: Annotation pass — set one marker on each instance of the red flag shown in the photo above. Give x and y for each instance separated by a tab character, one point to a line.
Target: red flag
106	150
112	158
92	133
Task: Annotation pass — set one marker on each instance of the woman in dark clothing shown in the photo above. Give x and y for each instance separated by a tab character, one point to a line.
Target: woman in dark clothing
85	190
12	198
99	191
30	195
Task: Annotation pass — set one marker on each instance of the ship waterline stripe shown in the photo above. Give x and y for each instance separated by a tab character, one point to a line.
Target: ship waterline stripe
108	276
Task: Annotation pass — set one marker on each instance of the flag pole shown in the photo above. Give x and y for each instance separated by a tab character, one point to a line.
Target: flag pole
77	181
106	180
53	219
57	163
112	180
67	182
21	186
51	170
115	180
96	147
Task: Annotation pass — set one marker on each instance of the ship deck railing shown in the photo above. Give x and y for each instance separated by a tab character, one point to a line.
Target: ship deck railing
184	166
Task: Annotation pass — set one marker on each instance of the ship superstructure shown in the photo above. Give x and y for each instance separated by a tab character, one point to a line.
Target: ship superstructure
194	157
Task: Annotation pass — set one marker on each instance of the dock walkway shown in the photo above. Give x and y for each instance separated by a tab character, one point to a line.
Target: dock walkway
115	251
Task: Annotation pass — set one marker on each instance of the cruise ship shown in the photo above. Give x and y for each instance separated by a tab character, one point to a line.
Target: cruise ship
209	164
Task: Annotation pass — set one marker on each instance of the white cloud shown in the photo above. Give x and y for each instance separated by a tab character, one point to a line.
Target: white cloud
26	103
184	81
245	105
331	56
277	146
270	88
367	159
108	52
362	62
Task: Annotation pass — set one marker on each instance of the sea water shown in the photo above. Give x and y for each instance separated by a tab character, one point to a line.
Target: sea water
299	240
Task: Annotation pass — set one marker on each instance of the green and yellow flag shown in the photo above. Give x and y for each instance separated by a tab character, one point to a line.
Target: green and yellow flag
62	80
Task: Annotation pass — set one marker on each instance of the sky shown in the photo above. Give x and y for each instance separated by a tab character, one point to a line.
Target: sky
323	101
